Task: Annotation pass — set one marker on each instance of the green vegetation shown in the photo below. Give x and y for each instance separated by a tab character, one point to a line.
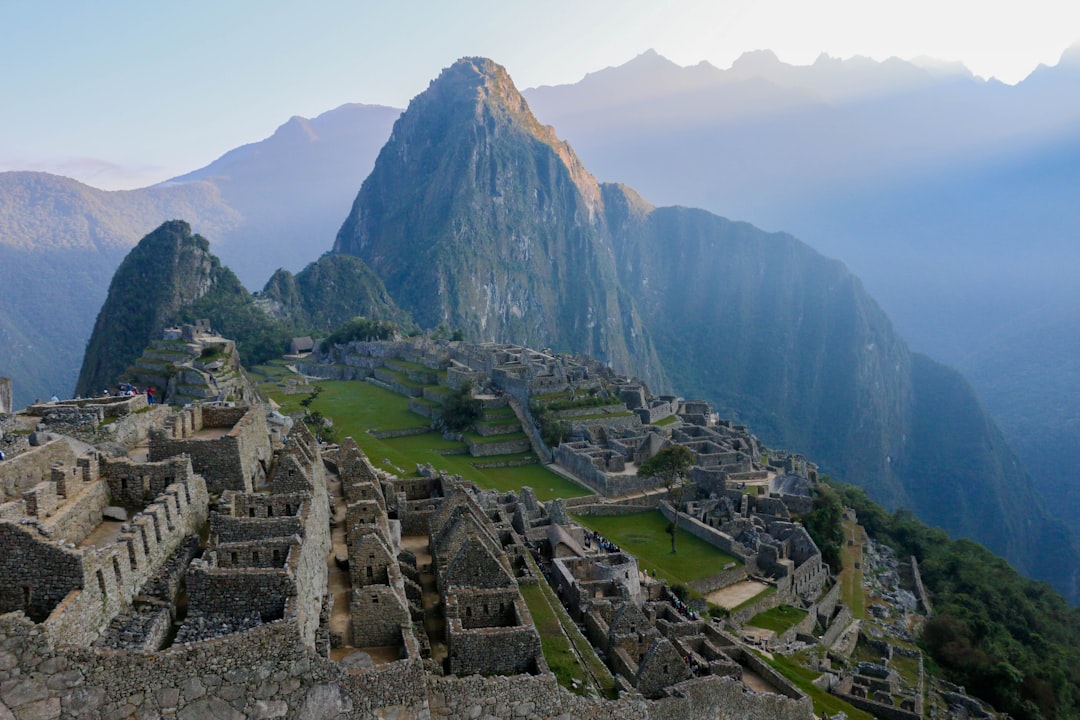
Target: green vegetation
561	658
1012	641
552	429
804	678
362	328
359	407
824	525
669	464
565	648
851	575
461	410
778	619
645	536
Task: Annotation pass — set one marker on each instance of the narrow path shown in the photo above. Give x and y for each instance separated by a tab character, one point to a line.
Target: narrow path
434	620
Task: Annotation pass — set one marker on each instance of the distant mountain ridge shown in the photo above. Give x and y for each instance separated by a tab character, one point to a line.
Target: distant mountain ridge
476	216
47	281
956	200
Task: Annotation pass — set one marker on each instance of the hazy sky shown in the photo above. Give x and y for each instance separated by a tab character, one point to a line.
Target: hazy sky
127	93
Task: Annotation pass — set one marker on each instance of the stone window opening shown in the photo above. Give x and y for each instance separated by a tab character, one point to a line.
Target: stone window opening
288	509
101	584
269	511
277	557
375	599
468	612
234	558
131	555
251	512
123	483
28	596
254	557
116	568
369	573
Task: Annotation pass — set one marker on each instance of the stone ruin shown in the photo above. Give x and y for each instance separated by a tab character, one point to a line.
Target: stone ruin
223	570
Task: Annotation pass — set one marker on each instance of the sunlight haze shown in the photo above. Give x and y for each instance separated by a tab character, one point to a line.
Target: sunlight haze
125	94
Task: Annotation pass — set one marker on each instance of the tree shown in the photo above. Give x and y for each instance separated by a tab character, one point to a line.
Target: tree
461	410
670	465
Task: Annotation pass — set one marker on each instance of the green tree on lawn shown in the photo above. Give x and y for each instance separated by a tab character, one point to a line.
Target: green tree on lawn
670	466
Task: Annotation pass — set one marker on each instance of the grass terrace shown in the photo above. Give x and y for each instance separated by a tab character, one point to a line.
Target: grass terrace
851	577
357	407
779	619
645	536
567	652
803	678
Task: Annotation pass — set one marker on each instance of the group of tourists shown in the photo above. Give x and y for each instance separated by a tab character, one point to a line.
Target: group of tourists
682	607
601	542
129	390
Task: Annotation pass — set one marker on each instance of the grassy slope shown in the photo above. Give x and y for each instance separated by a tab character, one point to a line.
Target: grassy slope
358	407
644	535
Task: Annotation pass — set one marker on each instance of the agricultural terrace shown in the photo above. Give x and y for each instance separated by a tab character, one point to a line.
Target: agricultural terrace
357	408
645	536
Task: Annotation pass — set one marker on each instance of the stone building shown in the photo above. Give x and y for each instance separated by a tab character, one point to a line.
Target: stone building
229	446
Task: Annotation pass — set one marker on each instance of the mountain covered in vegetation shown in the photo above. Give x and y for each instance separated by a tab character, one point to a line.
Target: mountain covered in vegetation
477	216
171	276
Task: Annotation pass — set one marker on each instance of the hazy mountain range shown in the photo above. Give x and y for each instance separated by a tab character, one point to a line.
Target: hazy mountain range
954	199
478	216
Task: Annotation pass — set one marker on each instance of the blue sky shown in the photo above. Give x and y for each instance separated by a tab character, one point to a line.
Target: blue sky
123	94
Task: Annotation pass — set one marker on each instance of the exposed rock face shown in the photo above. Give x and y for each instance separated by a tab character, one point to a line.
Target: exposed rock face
479	217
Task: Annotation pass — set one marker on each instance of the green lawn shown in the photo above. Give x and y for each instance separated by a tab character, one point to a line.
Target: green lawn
357	407
851	578
803	678
645	536
779	619
561	659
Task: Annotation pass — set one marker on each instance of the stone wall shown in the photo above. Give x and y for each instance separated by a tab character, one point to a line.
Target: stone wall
261	673
230	462
506	447
25	470
379	616
226	528
134	485
232	591
837	627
